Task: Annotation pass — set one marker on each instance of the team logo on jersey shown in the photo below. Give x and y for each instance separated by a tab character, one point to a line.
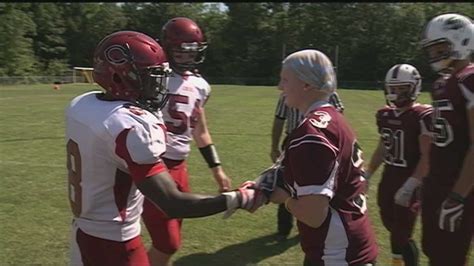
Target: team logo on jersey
116	54
320	119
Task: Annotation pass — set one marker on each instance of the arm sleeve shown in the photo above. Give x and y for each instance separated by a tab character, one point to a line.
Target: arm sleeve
314	165
141	147
466	84
426	121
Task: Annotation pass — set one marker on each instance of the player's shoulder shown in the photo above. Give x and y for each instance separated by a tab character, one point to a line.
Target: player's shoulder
86	98
384	111
129	115
420	108
465	77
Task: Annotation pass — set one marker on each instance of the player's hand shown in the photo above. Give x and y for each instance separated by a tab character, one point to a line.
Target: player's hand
404	195
223	181
274	154
245	197
450	215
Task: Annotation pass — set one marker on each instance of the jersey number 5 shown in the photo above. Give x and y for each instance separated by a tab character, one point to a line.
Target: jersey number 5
443	132
174	100
74	177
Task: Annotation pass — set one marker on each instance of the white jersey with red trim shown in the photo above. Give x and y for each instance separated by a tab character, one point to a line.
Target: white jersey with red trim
110	145
187	95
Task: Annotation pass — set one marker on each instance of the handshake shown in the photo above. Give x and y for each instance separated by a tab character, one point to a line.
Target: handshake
251	195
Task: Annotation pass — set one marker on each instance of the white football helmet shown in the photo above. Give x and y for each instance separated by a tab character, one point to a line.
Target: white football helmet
455	30
402	75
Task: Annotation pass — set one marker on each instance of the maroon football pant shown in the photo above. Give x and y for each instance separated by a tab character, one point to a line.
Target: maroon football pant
98	251
165	233
398	220
443	247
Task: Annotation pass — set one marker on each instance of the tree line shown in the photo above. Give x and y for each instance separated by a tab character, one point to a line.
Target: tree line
247	40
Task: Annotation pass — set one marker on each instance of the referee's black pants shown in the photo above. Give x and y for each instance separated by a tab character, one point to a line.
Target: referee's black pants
284	218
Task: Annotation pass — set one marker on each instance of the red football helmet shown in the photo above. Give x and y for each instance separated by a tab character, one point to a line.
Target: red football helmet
183	36
132	66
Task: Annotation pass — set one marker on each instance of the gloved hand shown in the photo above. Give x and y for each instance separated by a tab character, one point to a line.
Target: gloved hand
450	214
404	195
245	197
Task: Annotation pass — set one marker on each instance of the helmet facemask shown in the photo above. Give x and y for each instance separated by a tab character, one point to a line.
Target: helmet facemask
400	94
439	54
187	50
152	83
154	87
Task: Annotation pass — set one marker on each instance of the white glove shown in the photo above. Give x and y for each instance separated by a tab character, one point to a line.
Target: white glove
450	215
405	193
246	198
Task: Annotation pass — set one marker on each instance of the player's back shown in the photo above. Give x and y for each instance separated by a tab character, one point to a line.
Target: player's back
400	131
187	94
451	98
104	200
347	228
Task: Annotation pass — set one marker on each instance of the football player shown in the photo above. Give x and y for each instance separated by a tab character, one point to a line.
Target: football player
447	198
114	147
403	147
322	169
184	44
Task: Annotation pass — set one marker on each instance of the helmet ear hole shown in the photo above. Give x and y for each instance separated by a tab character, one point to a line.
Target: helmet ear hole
116	78
465	42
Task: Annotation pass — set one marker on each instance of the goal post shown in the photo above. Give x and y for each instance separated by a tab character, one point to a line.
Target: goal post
82	75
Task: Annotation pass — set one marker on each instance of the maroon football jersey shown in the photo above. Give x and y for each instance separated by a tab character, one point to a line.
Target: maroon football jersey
400	132
452	96
323	158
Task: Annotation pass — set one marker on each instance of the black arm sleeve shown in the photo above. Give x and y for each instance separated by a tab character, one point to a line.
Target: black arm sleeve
163	192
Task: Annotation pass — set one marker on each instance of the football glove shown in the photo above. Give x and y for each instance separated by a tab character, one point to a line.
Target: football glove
404	195
245	197
450	214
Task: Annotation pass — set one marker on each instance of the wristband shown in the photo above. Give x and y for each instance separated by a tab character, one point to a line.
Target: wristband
286	204
210	155
456	197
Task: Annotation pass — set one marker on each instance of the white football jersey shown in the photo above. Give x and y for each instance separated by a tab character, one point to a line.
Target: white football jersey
187	94
104	140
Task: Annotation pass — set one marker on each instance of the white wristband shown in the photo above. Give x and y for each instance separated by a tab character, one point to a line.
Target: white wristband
412	183
232	200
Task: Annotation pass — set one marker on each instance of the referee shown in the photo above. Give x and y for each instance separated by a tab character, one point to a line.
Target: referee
293	117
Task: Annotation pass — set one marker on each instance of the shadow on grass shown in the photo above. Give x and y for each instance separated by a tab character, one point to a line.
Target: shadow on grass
246	253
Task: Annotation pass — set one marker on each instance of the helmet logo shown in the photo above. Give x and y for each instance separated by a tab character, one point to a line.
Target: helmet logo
116	54
453	24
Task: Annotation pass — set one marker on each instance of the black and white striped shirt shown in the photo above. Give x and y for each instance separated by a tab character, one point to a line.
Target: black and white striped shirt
293	116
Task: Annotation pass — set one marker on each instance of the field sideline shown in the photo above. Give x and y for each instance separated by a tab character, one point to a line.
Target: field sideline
35	214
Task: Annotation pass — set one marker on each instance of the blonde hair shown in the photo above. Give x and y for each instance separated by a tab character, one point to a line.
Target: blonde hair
313	67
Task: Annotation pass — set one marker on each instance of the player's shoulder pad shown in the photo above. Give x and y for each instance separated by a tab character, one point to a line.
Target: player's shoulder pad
466	78
382	111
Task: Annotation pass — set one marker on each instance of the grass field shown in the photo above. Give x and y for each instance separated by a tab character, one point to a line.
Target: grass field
34	211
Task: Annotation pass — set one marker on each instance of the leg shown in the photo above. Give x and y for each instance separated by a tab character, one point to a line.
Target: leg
401	234
165	233
285	221
434	240
386	192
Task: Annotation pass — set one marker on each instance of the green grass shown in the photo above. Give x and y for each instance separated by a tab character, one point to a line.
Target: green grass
34	211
